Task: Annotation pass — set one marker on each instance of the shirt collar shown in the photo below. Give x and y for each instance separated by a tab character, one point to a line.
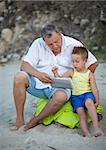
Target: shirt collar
65	42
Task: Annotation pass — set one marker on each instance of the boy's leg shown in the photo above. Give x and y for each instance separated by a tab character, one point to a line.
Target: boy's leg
92	113
83	120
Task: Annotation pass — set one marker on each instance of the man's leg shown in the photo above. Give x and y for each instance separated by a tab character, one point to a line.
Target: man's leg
19	91
58	99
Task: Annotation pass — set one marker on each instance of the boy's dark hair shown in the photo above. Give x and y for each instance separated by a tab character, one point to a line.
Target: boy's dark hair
48	30
81	51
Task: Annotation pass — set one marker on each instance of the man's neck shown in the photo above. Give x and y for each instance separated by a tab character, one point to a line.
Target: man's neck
57	52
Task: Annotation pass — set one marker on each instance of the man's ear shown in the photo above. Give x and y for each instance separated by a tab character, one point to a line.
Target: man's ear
85	59
60	32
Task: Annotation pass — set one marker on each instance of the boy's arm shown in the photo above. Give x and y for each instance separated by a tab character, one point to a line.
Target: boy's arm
94	88
69	73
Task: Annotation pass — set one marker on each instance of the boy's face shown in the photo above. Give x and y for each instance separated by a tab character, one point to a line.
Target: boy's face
78	62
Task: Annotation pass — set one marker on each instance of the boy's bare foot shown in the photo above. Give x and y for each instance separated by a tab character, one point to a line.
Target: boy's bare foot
87	135
98	133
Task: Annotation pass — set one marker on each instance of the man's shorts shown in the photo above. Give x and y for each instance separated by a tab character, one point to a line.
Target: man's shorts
79	100
44	92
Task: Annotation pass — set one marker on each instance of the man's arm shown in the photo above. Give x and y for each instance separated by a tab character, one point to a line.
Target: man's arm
93	67
42	76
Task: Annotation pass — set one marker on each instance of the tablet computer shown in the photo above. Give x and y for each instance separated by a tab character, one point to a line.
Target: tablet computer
62	83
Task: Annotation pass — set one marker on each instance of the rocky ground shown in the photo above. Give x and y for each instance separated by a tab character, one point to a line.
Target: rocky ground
21	22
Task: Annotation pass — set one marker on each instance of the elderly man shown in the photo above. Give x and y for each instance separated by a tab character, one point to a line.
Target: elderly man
35	77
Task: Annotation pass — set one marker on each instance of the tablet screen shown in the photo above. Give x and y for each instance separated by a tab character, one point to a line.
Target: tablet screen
62	83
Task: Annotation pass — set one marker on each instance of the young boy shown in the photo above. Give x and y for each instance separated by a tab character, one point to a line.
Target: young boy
85	95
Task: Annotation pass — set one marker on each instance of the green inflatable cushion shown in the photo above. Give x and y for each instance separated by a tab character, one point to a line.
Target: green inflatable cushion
64	116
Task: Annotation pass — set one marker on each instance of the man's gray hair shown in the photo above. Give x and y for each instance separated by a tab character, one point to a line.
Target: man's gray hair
48	30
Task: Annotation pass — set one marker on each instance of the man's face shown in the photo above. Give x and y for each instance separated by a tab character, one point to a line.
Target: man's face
54	42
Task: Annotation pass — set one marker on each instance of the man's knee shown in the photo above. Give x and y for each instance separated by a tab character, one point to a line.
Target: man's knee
57	104
60	96
21	78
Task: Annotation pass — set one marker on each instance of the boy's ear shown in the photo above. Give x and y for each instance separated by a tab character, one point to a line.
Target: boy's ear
84	59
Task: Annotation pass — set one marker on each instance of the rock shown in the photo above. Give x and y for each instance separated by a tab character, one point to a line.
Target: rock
95	48
93	31
18	31
1	19
84	23
3	46
103	14
3	60
87	32
65	16
7	35
76	21
25	20
19	19
9	56
15	56
2	7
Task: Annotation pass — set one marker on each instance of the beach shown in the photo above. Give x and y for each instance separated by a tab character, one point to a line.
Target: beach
51	137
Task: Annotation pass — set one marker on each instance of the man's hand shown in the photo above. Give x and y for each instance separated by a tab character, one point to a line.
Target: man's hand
44	77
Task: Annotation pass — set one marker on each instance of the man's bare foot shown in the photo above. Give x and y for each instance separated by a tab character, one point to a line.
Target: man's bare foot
98	133
19	123
32	123
15	128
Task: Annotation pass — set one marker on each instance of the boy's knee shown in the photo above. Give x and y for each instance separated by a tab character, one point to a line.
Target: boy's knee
89	103
80	111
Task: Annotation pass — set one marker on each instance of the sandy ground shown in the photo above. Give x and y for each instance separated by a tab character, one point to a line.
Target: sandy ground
52	137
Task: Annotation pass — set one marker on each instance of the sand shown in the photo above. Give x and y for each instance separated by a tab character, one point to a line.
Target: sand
52	137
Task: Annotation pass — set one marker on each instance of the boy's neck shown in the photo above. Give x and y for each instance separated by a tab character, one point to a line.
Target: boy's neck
84	70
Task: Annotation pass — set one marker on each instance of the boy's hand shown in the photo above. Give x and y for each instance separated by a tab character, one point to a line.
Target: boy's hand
96	104
55	71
